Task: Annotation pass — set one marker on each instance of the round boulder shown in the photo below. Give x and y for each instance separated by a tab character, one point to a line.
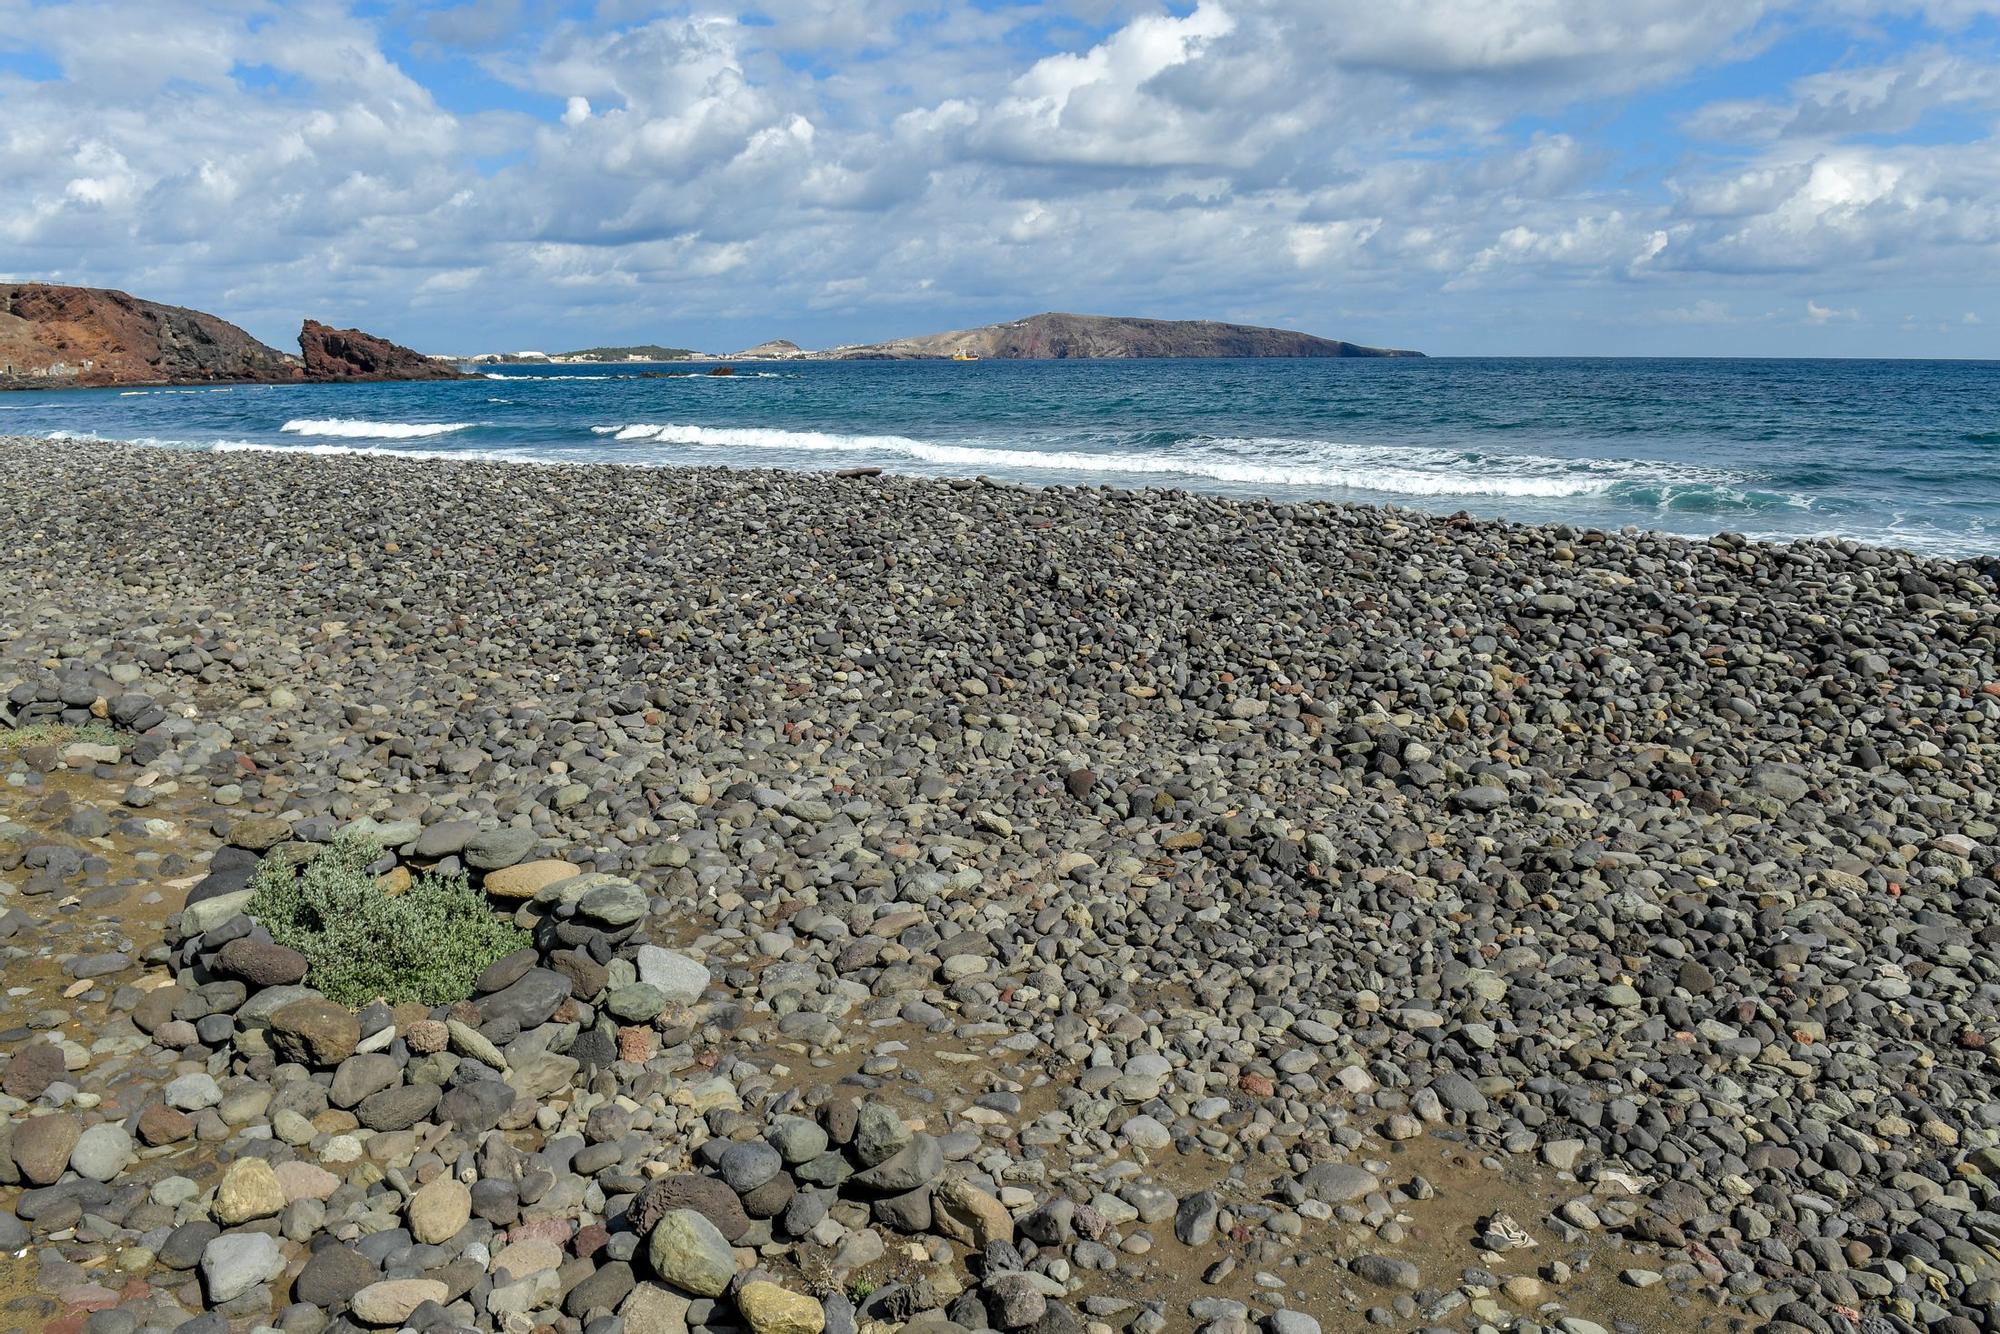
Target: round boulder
687	1251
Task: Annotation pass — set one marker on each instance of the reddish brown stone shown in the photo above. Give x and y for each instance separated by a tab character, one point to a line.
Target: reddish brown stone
261	963
637	1045
161	1124
88	1297
35	1066
553	1230
313	1032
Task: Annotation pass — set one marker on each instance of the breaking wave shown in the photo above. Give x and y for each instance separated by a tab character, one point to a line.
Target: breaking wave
347	428
1275	462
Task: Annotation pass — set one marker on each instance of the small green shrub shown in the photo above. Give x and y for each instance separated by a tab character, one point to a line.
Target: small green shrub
426	944
96	732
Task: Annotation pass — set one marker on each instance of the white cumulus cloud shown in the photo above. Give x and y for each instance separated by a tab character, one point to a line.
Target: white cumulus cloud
868	167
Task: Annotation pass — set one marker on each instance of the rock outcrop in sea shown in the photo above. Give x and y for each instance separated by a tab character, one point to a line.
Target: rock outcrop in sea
349	354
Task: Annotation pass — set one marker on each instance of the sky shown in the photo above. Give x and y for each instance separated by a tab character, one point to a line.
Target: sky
1489	177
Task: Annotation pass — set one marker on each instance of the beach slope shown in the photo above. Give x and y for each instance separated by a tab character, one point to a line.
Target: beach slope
1267	914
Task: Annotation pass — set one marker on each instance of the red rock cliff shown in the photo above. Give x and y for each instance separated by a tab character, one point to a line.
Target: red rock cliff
53	336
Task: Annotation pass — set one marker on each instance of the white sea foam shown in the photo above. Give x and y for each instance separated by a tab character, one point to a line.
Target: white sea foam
346	428
210	446
371	451
1385	470
1314	463
287	447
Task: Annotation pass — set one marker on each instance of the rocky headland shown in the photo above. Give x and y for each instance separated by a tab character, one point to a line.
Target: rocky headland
1057	336
57	337
961	907
54	336
331	355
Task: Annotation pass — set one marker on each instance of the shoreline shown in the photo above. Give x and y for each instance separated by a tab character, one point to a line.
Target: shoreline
1380	882
1986	562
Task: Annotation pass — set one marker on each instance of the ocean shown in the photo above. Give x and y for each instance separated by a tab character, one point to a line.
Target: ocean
1904	453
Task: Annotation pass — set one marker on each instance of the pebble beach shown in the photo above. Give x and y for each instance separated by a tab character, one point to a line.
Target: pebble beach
963	906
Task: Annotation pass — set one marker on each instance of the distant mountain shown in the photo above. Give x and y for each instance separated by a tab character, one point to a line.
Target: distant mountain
641	352
56	337
1057	336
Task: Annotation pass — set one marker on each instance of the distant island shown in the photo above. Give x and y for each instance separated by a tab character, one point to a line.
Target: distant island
1052	336
1059	337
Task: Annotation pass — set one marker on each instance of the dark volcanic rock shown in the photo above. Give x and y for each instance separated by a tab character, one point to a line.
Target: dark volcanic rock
707	1196
476	1105
527	1001
398	1108
332	1275
261	963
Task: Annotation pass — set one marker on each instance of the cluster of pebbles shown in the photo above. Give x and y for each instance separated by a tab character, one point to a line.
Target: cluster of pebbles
961	906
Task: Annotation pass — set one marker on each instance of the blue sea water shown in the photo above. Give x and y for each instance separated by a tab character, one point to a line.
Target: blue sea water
1904	453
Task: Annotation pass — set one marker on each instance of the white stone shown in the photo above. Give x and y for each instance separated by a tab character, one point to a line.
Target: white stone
680	979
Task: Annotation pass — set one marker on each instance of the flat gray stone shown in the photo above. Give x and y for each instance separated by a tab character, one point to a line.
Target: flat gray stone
529	1001
236	1262
1338	1183
915	1165
678	978
446	838
613	901
497	849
